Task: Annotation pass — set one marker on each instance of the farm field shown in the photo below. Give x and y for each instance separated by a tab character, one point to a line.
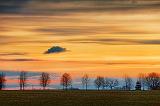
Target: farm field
79	98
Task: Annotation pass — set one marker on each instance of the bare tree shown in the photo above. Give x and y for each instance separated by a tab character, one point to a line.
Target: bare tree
66	80
44	80
111	83
103	83
153	81
2	81
142	80
128	82
22	79
99	82
85	81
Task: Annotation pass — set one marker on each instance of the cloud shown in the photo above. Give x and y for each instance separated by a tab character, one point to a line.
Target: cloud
117	41
55	7
19	60
55	49
9	54
72	30
157	41
12	6
104	41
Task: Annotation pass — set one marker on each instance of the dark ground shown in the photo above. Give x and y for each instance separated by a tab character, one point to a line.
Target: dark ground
79	98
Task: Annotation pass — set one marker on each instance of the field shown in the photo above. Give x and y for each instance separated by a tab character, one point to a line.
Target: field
79	98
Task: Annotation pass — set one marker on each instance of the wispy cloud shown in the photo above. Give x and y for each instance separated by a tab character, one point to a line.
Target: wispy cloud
117	41
68	6
12	54
20	60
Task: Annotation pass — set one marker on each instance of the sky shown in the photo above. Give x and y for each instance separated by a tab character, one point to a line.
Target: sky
96	37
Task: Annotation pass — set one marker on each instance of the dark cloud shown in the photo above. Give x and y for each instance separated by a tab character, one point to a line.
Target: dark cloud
55	49
12	6
37	6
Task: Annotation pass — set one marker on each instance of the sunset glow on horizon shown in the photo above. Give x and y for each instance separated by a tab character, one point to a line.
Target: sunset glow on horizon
108	38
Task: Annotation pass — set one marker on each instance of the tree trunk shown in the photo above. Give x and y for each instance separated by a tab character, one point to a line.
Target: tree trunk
111	88
43	88
86	87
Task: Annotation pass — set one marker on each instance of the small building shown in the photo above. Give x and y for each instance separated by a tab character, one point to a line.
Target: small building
138	85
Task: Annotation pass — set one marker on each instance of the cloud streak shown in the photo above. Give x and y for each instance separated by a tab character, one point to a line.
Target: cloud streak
69	6
13	54
117	41
20	60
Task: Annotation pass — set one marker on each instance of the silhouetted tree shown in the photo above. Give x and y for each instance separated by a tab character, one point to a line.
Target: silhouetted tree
2	80
85	81
111	83
142	80
103	81
153	81
44	80
22	79
128	82
66	80
99	82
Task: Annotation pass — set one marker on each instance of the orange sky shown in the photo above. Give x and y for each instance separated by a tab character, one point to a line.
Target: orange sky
109	38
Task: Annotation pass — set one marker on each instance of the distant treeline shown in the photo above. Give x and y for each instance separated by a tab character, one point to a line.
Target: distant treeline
149	81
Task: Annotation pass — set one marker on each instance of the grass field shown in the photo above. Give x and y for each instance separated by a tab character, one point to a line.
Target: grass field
79	98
